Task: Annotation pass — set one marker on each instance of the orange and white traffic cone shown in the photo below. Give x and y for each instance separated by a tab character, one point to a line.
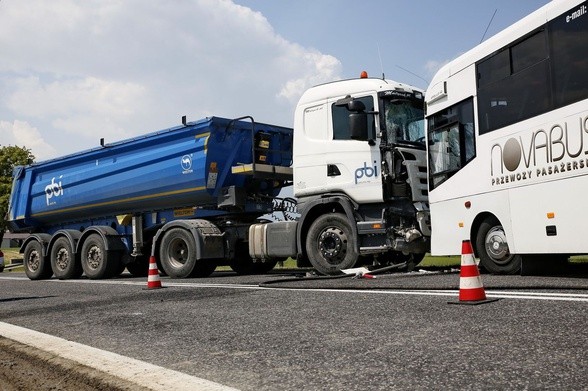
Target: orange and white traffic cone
471	290
153	281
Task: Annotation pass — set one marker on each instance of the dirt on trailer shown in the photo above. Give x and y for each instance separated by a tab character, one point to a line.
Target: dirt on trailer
25	368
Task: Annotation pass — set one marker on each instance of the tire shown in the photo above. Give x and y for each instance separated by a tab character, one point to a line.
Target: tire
63	260
35	265
177	254
330	245
264	267
396	257
96	261
243	264
493	250
139	267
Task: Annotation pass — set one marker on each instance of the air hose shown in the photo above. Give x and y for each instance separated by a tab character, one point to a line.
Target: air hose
267	284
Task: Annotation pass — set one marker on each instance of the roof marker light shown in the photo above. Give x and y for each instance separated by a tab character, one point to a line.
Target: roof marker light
363	75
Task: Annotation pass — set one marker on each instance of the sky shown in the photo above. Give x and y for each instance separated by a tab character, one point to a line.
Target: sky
75	71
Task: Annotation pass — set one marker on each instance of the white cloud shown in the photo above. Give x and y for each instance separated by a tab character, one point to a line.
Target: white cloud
78	71
82	107
317	68
22	134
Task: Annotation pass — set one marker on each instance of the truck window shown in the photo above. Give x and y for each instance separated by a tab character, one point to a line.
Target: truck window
404	120
340	115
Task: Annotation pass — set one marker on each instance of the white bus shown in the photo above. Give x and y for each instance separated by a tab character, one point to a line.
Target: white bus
507	139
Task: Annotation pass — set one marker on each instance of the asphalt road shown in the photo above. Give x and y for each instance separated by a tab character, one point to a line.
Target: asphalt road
396	332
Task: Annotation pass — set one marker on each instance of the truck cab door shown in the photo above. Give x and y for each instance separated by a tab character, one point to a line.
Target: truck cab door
353	166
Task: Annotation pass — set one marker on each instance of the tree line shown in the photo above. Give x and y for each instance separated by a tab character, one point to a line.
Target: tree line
10	156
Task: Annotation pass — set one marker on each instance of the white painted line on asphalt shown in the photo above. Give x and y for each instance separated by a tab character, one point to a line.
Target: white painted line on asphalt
553	296
136	371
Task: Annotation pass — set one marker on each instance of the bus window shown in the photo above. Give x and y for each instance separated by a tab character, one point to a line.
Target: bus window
451	141
523	92
569	60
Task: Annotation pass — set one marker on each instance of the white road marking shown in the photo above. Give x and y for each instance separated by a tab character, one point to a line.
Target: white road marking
136	371
553	296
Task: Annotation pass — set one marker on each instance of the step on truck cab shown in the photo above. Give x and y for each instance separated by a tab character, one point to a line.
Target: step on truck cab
359	176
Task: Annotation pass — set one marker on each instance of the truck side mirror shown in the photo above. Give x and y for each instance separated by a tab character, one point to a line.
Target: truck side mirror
358	125
358	122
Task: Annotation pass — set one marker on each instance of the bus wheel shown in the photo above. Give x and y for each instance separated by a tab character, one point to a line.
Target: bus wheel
330	245
493	250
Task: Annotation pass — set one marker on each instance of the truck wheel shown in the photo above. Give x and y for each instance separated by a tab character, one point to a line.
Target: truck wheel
63	260
330	245
492	248
36	268
96	261
178	256
139	267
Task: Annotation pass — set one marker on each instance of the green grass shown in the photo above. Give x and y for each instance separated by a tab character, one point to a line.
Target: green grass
430	261
9	255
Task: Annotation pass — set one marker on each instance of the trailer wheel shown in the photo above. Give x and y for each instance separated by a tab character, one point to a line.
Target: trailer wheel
63	260
177	254
139	267
330	245
243	263
493	250
96	261
36	267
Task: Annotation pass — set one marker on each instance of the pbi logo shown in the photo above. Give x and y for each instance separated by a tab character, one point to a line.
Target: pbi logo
366	172
186	164
54	189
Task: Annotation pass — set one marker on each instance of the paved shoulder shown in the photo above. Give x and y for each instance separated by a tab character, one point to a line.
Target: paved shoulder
126	369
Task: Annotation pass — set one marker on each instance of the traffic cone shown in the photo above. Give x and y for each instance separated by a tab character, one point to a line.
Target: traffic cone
153	281
471	290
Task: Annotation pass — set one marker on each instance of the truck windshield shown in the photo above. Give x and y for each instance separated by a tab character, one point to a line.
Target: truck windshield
405	121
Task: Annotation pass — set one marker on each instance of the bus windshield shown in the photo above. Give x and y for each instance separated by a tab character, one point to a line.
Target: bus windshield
405	121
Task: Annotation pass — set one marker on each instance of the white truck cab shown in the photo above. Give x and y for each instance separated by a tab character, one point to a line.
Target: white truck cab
360	178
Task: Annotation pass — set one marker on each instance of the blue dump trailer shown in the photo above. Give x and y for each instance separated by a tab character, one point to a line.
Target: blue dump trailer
186	195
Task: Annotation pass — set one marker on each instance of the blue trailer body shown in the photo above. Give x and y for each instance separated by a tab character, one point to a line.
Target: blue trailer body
181	167
186	195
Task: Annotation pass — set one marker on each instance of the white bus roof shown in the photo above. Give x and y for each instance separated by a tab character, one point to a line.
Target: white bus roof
505	37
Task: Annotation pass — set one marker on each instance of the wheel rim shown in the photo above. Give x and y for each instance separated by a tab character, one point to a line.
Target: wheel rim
33	261
178	253
333	245
94	257
497	246
62	259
